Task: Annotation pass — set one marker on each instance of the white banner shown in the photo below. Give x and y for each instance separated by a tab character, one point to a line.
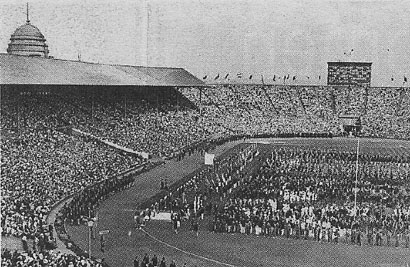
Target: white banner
209	159
162	216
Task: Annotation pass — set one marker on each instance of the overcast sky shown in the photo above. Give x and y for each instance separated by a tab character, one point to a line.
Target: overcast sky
207	37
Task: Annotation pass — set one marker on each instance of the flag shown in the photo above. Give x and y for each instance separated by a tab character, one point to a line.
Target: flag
405	79
294	77
239	75
250	77
206	76
274	77
217	77
392	79
226	76
284	78
262	79
288	77
319	77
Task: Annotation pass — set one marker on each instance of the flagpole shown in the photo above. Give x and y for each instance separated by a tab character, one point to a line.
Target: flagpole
357	173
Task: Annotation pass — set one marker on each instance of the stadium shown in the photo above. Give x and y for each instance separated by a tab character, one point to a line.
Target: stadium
125	165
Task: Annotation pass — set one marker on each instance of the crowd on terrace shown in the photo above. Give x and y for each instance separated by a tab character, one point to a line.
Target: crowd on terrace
310	109
41	167
45	258
43	161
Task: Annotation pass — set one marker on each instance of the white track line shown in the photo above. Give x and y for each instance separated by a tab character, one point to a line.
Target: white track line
186	252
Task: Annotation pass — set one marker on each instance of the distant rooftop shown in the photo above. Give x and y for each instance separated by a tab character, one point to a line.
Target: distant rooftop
15	69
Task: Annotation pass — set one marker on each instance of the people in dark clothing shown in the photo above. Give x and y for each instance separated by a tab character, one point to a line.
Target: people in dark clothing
136	262
163	262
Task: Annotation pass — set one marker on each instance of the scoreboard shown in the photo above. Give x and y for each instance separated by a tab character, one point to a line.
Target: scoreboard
349	73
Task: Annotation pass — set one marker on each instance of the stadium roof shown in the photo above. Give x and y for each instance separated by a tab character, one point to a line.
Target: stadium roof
48	71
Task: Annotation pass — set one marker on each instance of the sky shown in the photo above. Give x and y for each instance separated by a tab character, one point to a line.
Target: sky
211	37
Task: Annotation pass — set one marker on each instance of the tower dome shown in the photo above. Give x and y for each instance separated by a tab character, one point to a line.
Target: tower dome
27	40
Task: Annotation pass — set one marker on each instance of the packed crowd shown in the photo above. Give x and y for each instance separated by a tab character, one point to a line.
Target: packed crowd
254	109
142	120
191	197
42	161
311	194
298	193
45	258
41	167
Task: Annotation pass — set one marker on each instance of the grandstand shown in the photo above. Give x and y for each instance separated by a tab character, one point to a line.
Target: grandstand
92	153
54	136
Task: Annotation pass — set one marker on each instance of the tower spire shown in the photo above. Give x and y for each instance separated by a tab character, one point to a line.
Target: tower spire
28	19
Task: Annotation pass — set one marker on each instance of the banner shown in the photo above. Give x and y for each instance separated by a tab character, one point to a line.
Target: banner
209	159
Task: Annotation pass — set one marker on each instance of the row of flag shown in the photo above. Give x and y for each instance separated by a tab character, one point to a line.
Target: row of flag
240	76
275	78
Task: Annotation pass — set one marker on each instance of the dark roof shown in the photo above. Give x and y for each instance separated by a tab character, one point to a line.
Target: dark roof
35	70
347	63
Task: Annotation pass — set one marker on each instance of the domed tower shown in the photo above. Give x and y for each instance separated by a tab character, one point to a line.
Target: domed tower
27	40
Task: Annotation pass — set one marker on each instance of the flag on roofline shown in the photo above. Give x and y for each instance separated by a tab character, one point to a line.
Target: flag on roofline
217	77
206	76
239	75
294	77
274	77
250	77
226	76
405	79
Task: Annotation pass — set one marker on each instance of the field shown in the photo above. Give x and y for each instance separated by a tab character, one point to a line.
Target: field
124	242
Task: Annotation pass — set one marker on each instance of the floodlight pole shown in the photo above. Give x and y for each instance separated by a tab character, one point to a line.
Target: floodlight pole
90	224
357	174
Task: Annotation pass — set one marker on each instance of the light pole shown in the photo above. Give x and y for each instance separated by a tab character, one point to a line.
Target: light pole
90	225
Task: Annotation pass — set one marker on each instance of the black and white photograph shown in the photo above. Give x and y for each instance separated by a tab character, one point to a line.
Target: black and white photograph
197	133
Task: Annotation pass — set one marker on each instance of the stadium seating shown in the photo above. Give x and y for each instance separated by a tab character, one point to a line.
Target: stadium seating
42	161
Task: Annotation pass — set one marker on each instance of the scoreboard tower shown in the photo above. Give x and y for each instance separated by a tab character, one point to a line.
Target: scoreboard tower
349	73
